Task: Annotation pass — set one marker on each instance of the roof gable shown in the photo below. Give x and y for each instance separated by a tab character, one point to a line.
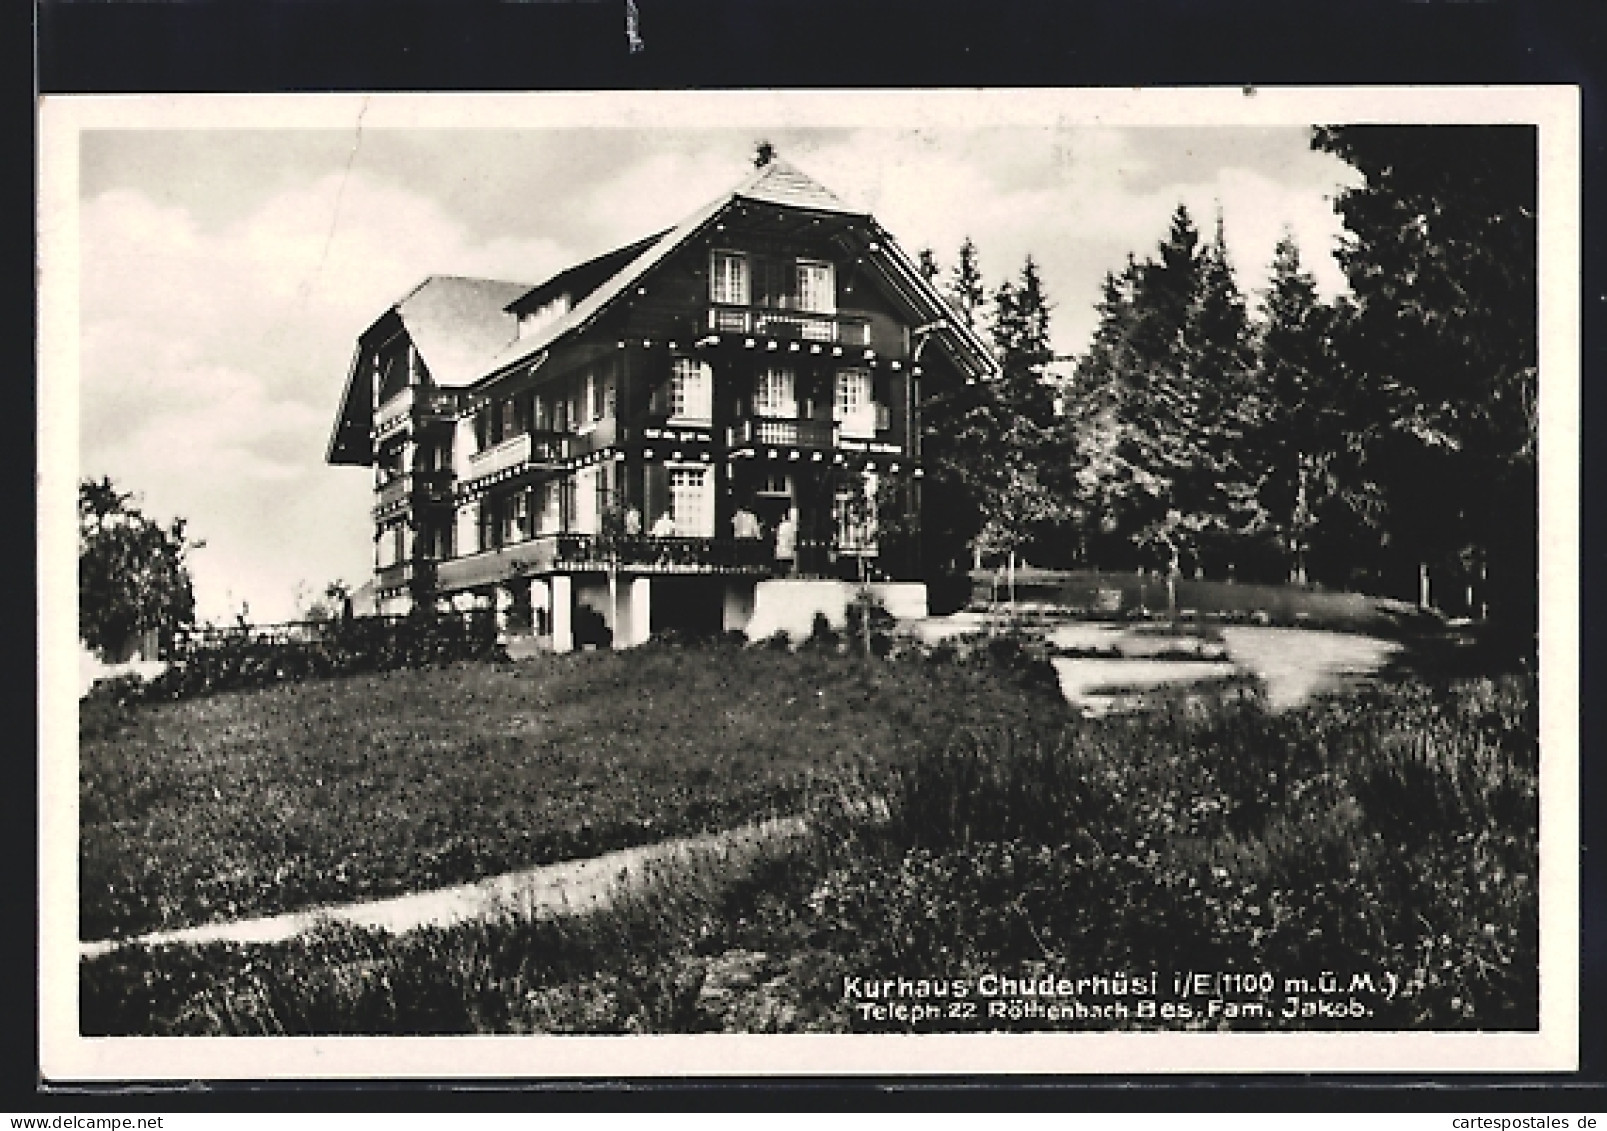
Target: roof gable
783	184
458	324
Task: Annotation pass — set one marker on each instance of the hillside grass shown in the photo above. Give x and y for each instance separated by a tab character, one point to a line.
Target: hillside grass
292	796
1389	832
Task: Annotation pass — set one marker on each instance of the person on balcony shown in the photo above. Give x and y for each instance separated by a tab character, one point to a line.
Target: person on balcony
663	526
633	523
786	543
745	524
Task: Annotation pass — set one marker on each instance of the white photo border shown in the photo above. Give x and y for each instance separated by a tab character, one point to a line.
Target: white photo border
66	1056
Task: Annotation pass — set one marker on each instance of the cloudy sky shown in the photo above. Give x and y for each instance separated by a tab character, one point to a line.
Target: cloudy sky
226	272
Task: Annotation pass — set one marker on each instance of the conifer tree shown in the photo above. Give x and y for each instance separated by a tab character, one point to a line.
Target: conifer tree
966	289
1311	489
1020	330
1162	401
1441	258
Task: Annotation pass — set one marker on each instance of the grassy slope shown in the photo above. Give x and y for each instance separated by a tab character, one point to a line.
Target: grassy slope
293	796
1392	832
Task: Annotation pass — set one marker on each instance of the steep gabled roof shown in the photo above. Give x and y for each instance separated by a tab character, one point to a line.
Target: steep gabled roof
583	278
776	183
468	336
457	324
784	184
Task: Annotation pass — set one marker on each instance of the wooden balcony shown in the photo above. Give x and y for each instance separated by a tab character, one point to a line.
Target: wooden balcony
524	452
404	575
415	405
782	433
598	435
791	325
584	553
644	553
416	489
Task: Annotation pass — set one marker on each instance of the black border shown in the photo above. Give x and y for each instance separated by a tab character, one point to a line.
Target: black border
140	46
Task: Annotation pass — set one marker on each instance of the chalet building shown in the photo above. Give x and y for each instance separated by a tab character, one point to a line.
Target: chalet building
716	427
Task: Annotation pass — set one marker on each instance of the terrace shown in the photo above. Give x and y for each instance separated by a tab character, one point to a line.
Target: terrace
582	552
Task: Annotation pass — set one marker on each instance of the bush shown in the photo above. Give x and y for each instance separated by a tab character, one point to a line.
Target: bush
108	707
345	647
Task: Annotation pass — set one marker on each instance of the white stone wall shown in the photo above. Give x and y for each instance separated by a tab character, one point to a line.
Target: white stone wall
784	605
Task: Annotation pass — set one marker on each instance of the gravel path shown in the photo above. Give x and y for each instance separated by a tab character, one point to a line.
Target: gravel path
551	889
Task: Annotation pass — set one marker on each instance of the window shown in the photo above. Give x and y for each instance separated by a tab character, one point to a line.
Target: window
774	394
728	278
549	515
816	291
590	403
544	315
692	391
587	495
579	419
390	550
487	525
690	503
853	408
774	485
516	518
774	284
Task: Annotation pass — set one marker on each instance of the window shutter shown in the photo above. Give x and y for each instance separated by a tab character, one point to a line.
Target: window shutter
659	402
657	481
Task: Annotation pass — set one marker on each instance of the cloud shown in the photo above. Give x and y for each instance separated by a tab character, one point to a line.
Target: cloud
213	361
1068	198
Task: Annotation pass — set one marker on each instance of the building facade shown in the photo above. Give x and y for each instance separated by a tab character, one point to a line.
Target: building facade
671	435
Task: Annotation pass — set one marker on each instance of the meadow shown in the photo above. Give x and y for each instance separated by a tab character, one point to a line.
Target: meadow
298	794
1389	832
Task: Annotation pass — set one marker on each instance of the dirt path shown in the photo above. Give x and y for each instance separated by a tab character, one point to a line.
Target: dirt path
551	889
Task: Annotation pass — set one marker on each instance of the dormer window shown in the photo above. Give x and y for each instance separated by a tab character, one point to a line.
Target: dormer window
543	316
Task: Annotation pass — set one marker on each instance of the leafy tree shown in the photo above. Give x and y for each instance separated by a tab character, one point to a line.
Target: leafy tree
1441	258
132	572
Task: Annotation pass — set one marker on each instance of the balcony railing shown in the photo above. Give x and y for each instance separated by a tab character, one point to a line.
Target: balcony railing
790	325
783	433
391	494
403	574
533	449
422	487
414	403
582	552
599	434
674	555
